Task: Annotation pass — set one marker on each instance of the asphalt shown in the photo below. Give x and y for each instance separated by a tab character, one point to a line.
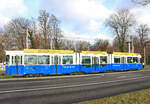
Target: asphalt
68	90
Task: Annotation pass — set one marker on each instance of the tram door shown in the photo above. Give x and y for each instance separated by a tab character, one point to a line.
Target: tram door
16	60
56	62
122	63
95	62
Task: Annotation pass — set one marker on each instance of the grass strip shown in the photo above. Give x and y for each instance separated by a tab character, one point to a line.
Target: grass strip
138	97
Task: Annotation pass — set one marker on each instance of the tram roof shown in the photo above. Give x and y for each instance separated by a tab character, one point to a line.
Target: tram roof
94	52
125	53
48	51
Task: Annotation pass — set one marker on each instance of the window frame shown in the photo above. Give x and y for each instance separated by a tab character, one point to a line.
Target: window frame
48	56
128	61
136	60
100	57
62	60
8	58
90	57
28	59
117	57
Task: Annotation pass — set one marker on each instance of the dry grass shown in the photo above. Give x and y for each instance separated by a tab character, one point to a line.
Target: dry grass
139	97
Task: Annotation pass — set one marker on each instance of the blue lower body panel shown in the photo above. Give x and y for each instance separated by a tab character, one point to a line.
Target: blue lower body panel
94	68
117	67
41	69
67	69
129	66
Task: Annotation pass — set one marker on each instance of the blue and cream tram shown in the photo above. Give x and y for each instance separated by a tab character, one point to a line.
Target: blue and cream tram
40	61
46	61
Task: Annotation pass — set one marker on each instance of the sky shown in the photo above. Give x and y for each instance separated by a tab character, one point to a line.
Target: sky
83	19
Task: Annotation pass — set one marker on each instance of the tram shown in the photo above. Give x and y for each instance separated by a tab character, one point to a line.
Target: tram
47	61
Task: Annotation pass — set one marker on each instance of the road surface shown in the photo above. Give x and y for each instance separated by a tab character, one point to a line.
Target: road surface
68	90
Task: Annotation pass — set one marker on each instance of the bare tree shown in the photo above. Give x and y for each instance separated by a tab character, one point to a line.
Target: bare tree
16	28
143	31
30	32
55	31
100	45
141	2
82	46
5	44
136	43
1	48
120	23
67	44
44	26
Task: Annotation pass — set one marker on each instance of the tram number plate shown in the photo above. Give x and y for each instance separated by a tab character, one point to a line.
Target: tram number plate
69	67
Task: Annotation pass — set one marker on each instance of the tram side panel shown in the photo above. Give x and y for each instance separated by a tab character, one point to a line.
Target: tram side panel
94	63
59	64
86	63
13	70
116	63
69	64
34	63
104	63
126	62
14	63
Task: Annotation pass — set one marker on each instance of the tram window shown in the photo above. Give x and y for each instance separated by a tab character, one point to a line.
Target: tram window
67	59
30	59
12	60
43	59
122	60
86	60
21	59
55	59
130	60
116	59
52	60
125	60
25	59
59	60
17	60
95	60
7	59
135	60
103	59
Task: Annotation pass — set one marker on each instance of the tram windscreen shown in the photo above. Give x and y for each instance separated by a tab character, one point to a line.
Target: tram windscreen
67	59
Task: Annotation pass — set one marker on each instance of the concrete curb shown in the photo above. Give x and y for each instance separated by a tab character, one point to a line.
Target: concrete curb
69	76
